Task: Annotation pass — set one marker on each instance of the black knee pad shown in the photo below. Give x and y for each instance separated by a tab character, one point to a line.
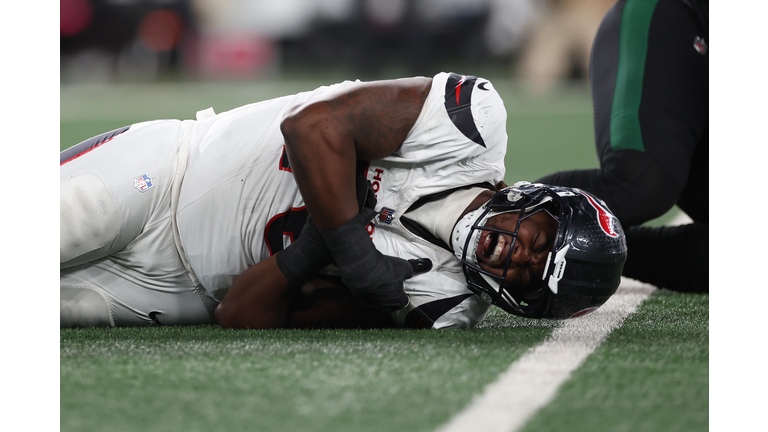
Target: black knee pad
637	187
672	257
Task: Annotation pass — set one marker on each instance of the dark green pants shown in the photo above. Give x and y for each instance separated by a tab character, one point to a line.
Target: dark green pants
649	74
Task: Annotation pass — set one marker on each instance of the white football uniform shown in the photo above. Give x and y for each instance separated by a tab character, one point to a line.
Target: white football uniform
438	155
227	199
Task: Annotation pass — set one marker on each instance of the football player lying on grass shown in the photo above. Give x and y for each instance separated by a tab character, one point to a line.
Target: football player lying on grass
507	250
163	221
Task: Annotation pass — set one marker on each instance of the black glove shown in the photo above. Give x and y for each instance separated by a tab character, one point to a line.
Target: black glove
376	280
307	255
366	199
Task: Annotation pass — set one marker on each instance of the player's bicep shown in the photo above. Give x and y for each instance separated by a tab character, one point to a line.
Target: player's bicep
371	119
386	114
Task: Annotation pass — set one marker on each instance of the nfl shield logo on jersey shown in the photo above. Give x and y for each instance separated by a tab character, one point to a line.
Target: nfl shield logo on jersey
387	215
143	182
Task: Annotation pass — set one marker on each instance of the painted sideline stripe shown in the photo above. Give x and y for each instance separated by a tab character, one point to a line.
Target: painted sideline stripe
531	382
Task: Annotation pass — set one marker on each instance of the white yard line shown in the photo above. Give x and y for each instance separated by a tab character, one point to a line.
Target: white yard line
532	381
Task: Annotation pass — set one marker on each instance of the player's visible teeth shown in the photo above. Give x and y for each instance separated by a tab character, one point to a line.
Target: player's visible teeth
497	250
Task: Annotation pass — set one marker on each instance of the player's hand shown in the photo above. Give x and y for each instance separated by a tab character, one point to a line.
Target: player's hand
375	280
307	255
366	199
382	288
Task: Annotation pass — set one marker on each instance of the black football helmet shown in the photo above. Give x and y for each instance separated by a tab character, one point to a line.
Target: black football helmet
583	269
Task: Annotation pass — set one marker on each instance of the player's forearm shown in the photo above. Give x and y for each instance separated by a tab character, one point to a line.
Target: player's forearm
323	162
260	298
328	304
325	138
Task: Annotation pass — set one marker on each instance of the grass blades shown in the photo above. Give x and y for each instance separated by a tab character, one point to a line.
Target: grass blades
651	374
205	378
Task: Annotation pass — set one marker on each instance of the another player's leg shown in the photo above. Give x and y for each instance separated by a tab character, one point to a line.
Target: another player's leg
649	83
677	257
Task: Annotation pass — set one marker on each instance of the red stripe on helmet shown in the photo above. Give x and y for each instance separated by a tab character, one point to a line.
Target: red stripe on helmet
604	218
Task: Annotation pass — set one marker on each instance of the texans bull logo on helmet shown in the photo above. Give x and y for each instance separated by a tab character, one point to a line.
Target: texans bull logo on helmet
584	265
605	218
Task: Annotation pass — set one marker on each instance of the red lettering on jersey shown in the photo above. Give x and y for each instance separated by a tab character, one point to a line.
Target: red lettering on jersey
375	185
376	179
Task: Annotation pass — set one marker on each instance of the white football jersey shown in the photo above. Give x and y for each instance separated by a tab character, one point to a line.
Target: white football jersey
239	203
458	140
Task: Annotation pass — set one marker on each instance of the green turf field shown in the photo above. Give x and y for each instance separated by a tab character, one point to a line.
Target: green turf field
651	374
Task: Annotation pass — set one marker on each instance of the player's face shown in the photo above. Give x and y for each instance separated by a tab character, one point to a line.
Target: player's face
529	255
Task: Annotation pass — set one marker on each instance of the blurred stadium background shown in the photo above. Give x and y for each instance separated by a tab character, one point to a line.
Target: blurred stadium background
125	61
150	40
